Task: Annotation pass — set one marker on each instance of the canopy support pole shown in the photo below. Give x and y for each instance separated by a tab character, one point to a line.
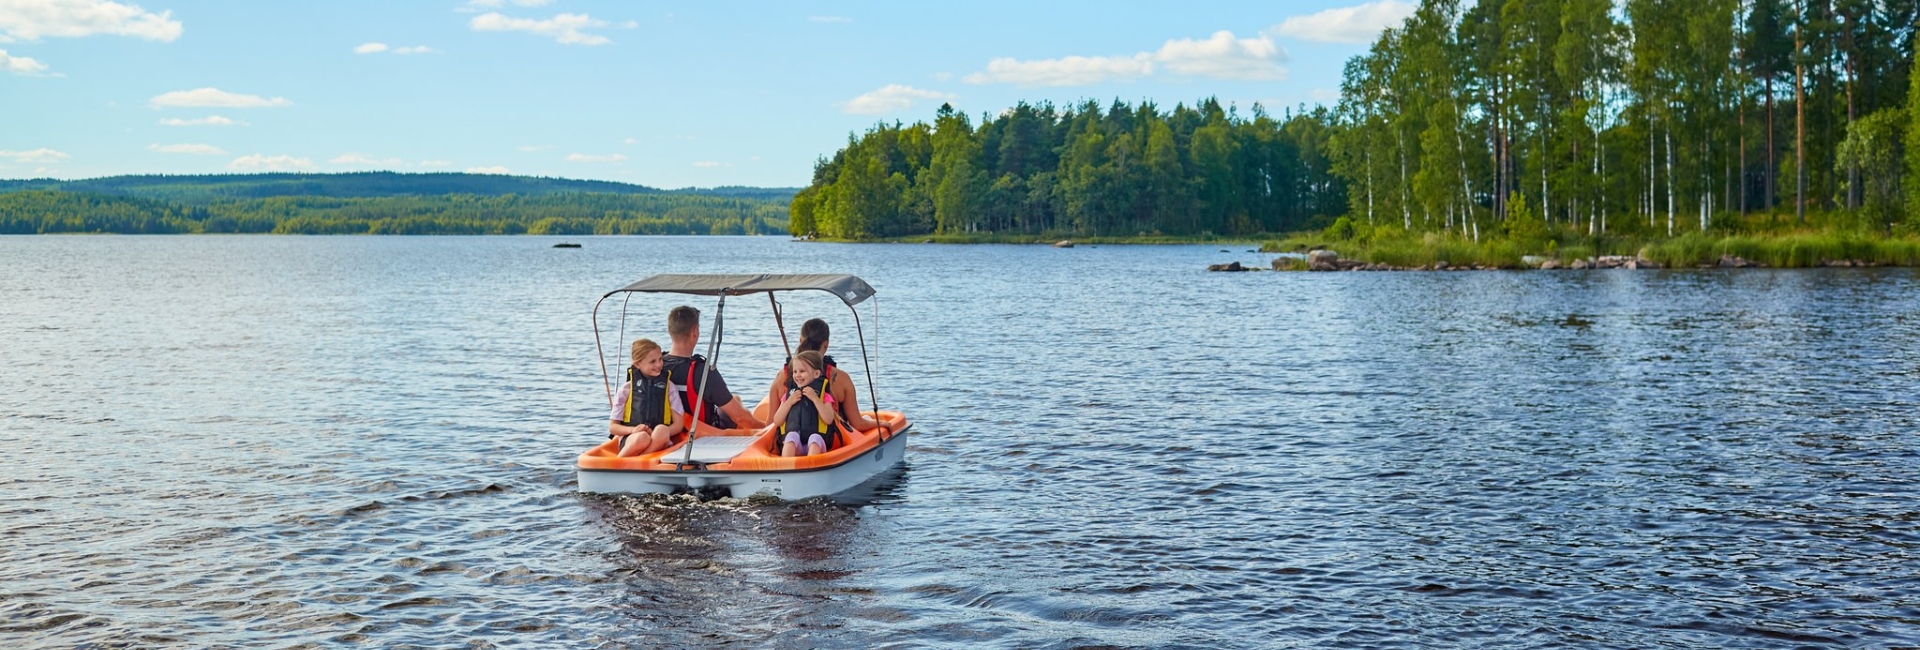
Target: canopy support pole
713	361
866	362
782	327
601	352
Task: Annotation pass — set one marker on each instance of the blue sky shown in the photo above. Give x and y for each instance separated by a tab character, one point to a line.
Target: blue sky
661	94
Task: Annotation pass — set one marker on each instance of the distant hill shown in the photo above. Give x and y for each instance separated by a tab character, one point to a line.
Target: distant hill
383	203
207	188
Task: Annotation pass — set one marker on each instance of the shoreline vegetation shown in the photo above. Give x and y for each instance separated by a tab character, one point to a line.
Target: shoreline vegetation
1489	133
1827	239
382	203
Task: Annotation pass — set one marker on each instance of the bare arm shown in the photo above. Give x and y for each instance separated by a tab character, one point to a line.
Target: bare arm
780	412
850	403
740	416
615	428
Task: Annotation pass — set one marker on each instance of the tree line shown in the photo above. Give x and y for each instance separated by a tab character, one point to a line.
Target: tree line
56	211
1631	118
1647	116
1122	170
205	188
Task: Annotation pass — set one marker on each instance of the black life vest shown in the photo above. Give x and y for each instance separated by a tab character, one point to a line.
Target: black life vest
647	399
688	381
806	418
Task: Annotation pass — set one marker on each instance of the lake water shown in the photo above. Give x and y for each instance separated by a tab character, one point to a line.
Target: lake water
307	441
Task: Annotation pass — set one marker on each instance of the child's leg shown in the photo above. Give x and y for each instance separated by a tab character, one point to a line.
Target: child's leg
816	445
792	448
661	439
632	444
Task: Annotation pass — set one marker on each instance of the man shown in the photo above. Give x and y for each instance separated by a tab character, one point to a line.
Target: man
722	408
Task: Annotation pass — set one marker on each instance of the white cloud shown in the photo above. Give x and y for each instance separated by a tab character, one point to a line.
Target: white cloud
436	163
496	169
195	149
32	19
365	161
631	24
1356	24
893	98
706	164
1069	71
210	120
580	157
257	162
564	28
1324	95
375	48
21	65
496	4
829	19
214	97
1220	56
39	156
630	141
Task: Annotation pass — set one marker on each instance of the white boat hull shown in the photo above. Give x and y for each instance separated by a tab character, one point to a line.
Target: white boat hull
784	484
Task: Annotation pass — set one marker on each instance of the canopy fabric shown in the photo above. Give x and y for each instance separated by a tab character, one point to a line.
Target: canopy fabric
849	289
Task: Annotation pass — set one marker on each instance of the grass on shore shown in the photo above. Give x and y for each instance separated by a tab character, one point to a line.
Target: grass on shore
1831	236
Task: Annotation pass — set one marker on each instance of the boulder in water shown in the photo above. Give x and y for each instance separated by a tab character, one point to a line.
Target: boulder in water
1229	266
1064	243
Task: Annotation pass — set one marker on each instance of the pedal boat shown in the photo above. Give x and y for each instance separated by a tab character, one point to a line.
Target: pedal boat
741	463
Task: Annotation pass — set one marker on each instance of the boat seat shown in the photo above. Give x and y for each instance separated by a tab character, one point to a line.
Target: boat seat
717	449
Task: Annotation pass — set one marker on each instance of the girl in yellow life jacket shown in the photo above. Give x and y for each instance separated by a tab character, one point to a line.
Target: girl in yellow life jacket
643	419
807	413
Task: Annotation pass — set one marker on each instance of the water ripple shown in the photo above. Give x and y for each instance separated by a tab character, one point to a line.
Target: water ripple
310	441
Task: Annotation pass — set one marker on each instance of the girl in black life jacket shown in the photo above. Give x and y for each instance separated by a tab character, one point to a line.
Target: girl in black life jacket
807	413
643	418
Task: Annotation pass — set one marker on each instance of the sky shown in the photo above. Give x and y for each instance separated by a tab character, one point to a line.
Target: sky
662	94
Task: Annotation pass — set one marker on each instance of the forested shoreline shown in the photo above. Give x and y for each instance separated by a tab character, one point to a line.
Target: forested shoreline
382	203
1122	170
1533	124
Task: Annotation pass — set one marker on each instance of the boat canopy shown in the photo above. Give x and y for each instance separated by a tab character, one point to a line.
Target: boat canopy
850	289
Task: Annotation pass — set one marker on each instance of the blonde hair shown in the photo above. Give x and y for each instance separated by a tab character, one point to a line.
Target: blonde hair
810	357
641	347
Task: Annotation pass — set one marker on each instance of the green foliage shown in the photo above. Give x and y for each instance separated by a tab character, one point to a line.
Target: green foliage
1634	117
50	211
1873	150
1524	225
1790	251
207	189
1427	249
1341	229
1083	171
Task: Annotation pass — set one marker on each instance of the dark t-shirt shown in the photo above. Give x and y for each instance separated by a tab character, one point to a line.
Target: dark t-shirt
716	394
